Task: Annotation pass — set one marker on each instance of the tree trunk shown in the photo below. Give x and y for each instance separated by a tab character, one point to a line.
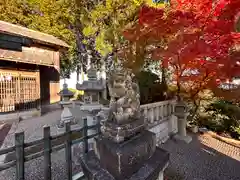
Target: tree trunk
78	71
178	91
194	113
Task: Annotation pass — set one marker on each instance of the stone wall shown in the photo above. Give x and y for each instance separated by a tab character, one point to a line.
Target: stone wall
160	119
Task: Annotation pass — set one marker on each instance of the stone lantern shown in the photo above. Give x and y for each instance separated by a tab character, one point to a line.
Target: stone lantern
92	88
181	111
66	115
91	106
181	108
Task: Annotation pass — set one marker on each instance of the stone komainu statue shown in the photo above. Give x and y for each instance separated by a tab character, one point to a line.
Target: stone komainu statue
124	116
124	93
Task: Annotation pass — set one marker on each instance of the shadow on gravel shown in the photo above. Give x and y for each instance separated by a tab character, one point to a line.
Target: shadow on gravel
171	174
3	132
198	160
50	108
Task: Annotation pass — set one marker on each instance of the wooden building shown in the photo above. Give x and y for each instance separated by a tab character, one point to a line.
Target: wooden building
29	68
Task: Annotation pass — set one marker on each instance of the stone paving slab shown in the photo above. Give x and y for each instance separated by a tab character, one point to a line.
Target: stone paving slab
205	158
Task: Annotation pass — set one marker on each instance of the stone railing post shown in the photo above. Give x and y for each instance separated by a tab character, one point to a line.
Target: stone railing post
173	104
173	120
145	113
164	110
157	112
152	114
161	112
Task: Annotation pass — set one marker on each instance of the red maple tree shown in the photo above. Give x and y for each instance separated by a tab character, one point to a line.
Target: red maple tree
195	38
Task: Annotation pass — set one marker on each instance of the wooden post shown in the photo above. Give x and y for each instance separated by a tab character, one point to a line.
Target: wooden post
19	143
68	150
47	153
85	134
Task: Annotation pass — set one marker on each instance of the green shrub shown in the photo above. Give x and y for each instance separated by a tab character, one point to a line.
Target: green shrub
225	112
236	132
237	129
151	89
222	116
211	123
79	97
73	90
77	93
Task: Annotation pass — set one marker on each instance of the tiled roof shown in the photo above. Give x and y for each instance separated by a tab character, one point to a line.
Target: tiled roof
13	29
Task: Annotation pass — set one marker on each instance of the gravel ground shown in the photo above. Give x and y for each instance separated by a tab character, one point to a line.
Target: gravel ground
205	158
33	129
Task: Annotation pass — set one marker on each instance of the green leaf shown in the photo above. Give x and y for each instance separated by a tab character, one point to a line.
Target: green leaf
89	30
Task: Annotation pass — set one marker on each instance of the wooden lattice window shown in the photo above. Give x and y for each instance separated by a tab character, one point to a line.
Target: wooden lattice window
18	90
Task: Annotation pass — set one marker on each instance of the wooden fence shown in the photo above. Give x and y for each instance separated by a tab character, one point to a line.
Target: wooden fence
47	145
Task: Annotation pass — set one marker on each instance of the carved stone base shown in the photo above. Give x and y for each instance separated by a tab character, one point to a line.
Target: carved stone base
152	169
187	139
135	159
119	133
66	116
127	157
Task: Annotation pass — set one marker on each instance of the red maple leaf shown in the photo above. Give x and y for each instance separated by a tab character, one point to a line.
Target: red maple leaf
192	35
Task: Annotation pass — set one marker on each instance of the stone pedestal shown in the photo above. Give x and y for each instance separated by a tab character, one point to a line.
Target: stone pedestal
119	133
91	111
181	112
91	121
66	115
135	159
173	124
182	132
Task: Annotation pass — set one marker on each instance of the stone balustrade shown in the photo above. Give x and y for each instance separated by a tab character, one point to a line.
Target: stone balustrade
160	119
